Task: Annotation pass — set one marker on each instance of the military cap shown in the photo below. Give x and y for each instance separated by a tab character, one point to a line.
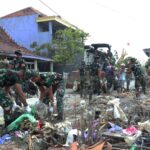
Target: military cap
18	52
31	73
133	60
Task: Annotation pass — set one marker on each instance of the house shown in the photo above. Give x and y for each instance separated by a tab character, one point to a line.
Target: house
28	26
147	51
8	47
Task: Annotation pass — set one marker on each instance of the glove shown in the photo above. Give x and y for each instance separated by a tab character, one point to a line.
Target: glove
51	109
28	109
15	106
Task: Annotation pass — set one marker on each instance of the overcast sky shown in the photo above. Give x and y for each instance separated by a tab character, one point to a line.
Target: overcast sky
116	22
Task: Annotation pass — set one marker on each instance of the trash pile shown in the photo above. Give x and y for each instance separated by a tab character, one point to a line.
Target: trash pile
106	122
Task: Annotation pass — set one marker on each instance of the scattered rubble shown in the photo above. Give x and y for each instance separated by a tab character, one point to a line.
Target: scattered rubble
111	121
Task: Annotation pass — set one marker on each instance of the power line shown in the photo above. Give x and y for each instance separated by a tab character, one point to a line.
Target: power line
61	17
118	12
49	7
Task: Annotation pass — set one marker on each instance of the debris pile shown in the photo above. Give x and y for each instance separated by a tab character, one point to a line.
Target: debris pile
105	122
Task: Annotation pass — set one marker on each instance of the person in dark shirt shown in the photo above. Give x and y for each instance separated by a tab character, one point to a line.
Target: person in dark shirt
139	77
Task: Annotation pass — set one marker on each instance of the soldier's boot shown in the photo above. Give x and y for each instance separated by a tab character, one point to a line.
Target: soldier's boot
137	94
60	116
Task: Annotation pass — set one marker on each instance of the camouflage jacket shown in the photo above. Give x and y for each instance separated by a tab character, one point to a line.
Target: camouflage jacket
18	64
137	70
9	77
48	80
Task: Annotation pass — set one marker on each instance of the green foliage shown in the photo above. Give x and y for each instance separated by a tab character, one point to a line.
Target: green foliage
65	45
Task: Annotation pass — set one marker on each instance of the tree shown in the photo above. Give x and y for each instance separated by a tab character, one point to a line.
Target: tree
65	46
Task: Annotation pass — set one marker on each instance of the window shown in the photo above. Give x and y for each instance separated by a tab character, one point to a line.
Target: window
43	26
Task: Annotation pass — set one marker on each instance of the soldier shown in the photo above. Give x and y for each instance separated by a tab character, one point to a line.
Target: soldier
59	97
95	80
139	76
48	85
9	78
82	78
128	76
7	104
110	76
18	63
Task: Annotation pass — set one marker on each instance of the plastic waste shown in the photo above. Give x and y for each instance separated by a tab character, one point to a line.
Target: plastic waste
15	124
118	112
70	136
5	138
21	134
114	128
130	131
41	110
145	125
131	139
133	147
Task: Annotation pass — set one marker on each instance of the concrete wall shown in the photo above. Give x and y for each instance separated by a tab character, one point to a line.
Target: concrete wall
24	30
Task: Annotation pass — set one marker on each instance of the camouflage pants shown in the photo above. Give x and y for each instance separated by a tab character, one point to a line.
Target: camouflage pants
46	100
60	103
110	81
140	81
96	85
7	105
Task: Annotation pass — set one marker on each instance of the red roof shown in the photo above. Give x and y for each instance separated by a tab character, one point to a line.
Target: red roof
9	46
24	12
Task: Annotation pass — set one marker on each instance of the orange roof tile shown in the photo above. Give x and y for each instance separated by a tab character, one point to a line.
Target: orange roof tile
8	45
24	12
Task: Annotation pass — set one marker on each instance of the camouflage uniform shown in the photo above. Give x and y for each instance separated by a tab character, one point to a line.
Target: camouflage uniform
82	78
18	63
139	78
110	76
95	81
9	77
6	104
48	80
60	101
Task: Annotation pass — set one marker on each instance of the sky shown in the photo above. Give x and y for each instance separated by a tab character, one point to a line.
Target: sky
124	24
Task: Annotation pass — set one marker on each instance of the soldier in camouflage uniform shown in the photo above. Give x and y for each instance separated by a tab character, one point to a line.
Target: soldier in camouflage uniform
60	101
95	87
82	78
48	84
18	63
9	78
139	77
110	76
7	104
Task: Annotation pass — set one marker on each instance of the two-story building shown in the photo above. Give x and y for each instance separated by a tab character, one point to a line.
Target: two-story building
28	26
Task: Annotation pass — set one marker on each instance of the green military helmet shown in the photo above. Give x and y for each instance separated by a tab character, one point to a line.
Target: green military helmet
31	73
18	52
